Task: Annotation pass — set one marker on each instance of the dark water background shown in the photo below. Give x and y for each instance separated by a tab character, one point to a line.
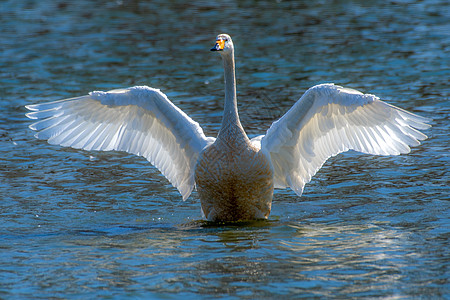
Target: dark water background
77	224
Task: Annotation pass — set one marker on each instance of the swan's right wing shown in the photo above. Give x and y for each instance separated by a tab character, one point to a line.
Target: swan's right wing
328	120
138	120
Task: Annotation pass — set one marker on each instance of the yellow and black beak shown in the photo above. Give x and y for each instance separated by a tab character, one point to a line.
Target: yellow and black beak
220	44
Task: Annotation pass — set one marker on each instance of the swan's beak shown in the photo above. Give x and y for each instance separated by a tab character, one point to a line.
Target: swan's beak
218	46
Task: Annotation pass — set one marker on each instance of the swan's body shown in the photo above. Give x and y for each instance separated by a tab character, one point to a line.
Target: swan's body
234	176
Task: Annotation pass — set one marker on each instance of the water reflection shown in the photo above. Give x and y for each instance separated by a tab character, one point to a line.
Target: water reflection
315	257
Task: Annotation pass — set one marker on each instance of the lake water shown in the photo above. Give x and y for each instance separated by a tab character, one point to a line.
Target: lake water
89	225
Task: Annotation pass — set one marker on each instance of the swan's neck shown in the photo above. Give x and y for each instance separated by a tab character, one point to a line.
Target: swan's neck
230	122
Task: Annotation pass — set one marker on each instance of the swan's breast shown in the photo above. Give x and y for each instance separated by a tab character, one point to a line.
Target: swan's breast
234	182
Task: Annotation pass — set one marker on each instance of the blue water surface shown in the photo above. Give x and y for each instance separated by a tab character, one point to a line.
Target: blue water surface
93	225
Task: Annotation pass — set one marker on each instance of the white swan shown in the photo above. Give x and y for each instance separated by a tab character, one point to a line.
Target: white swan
234	176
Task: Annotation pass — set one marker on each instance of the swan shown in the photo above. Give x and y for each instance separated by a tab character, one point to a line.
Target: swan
235	176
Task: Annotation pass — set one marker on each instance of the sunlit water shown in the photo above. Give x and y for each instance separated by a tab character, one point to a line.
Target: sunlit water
77	224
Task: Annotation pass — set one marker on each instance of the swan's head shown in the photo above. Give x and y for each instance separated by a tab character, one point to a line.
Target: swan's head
223	43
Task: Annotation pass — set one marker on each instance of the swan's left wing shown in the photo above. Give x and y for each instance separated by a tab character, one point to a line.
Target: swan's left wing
328	120
139	120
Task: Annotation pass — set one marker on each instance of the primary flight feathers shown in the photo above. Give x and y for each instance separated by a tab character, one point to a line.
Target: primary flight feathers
138	120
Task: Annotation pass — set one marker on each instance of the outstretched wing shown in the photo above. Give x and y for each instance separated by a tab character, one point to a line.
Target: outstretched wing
330	119
139	120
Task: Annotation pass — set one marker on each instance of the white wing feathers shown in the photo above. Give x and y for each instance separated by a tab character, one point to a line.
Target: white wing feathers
138	120
328	120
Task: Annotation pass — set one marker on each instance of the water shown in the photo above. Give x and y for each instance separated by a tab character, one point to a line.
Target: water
77	224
